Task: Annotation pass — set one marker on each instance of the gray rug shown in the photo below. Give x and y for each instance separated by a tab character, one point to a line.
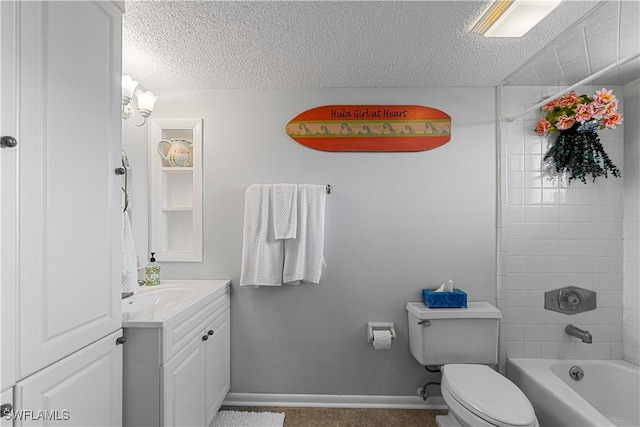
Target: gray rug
248	419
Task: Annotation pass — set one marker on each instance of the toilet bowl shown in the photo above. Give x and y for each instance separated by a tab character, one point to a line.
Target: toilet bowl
478	396
462	341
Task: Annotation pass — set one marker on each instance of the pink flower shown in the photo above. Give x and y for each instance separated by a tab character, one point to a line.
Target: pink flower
603	96
611	108
584	112
569	99
542	126
598	110
549	105
612	121
565	122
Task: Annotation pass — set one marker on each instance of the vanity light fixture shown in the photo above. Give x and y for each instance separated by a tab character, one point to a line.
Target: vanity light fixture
513	18
145	99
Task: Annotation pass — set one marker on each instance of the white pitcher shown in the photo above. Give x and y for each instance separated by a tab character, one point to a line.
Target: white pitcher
179	153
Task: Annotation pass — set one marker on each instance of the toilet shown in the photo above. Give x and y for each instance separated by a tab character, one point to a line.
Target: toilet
462	342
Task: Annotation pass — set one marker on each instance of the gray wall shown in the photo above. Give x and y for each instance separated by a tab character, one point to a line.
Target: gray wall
396	223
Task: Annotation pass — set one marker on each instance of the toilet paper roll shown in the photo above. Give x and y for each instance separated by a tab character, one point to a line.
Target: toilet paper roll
382	339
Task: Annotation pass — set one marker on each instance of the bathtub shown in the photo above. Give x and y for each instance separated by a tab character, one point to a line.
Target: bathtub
607	395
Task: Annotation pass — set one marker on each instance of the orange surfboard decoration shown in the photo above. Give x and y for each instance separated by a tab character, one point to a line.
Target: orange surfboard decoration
371	128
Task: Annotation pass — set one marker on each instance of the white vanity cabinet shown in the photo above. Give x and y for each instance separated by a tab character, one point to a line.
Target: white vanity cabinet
196	380
177	360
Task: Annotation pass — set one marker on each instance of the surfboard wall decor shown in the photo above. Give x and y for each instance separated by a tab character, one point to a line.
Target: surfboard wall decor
371	128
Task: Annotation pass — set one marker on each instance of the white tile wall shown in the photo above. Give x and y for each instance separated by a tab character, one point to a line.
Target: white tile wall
551	235
610	32
631	234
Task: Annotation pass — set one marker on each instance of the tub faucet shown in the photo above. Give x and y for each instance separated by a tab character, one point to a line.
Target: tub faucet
585	336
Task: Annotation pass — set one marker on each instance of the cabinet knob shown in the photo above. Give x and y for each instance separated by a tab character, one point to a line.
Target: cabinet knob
8	142
121	340
210	332
120	171
205	337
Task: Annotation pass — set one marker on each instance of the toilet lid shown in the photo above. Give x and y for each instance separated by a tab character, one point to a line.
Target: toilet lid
488	395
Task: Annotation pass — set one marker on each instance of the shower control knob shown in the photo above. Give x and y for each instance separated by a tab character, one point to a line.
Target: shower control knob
205	337
8	142
572	299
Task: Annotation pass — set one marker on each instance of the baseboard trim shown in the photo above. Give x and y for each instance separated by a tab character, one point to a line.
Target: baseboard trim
333	401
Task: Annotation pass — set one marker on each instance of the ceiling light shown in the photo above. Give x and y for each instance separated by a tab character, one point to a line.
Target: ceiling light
513	18
146	100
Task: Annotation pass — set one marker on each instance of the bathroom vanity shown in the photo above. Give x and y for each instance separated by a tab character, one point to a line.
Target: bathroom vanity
177	354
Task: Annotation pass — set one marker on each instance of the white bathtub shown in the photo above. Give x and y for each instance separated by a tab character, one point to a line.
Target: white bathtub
607	395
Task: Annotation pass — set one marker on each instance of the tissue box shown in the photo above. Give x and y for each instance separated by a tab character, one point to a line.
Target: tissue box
455	299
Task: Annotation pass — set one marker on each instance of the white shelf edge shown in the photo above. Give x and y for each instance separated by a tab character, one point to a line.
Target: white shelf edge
177	208
177	169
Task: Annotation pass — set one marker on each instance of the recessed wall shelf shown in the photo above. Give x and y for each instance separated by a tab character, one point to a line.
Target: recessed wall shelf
175	205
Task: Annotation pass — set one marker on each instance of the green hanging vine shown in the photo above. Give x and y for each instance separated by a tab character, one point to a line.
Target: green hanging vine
580	154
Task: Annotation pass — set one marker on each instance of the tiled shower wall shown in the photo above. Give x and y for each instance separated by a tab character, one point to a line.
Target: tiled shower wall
551	235
631	282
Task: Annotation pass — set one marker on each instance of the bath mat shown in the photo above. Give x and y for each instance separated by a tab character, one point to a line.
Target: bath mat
248	419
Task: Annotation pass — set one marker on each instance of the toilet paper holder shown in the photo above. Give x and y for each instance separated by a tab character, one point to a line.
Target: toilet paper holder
380	326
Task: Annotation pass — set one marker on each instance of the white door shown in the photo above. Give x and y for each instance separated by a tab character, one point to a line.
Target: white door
183	385
83	389
69	141
217	365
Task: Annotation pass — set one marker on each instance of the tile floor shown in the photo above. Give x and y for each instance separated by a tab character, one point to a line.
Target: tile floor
349	417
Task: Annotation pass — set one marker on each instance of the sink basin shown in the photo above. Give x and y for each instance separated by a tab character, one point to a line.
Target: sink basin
154	306
154	299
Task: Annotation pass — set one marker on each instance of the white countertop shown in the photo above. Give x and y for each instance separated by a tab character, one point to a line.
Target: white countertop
156	306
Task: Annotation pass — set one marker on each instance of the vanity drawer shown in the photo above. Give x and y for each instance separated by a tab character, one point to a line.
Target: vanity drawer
179	333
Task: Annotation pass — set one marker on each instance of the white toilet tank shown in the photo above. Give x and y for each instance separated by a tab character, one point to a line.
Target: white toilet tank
440	336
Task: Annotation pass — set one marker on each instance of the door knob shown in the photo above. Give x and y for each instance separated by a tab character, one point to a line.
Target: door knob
8	142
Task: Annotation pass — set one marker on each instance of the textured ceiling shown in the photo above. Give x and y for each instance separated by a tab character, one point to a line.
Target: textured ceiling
295	44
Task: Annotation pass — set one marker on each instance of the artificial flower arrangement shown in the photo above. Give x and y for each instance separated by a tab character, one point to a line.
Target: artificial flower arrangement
578	149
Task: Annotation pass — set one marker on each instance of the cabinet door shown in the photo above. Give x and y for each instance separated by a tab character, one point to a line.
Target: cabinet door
217	365
183	386
8	195
69	133
83	389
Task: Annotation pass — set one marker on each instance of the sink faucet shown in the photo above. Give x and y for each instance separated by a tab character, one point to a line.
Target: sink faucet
585	336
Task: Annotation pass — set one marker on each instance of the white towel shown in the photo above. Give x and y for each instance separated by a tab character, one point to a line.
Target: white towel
262	254
129	258
285	210
303	256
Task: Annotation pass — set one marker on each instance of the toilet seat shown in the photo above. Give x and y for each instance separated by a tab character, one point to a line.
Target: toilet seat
488	395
